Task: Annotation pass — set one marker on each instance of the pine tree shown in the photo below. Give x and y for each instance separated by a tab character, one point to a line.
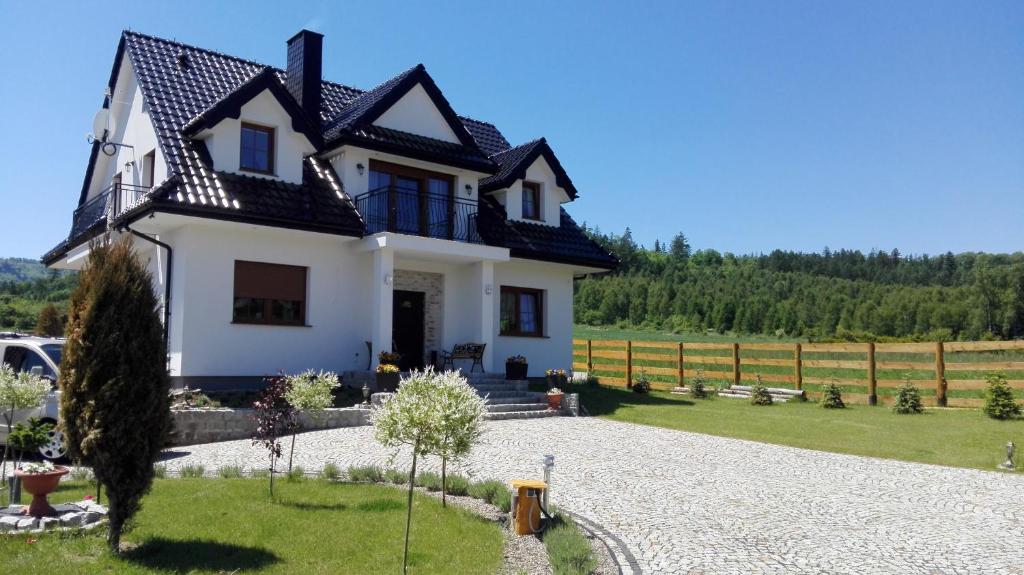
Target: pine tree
49	323
115	402
999	401
832	396
908	398
759	393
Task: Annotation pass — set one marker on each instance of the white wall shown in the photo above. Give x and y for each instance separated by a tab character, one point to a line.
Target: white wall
130	124
206	343
224	140
416	113
554	350
552	196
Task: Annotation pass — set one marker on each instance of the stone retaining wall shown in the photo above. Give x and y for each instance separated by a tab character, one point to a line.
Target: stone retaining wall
207	425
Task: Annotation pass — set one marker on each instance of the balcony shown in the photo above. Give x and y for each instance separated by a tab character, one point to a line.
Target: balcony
106	206
403	211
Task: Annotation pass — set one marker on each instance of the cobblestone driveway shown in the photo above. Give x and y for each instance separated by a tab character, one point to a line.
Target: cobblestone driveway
689	503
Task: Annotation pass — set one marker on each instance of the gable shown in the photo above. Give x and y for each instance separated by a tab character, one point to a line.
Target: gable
416	113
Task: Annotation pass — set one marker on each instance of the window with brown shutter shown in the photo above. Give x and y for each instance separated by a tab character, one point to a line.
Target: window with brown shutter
272	294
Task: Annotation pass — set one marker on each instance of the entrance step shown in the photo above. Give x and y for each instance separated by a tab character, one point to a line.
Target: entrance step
518	398
522	414
504	407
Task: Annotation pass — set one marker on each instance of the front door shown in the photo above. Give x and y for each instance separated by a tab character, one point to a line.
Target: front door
407	328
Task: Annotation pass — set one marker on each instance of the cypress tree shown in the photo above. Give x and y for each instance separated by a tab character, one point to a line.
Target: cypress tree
115	403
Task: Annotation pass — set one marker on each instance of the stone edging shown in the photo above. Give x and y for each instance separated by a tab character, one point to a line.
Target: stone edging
209	425
79	516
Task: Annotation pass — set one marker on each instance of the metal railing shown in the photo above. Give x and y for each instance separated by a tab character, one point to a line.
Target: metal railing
106	205
404	211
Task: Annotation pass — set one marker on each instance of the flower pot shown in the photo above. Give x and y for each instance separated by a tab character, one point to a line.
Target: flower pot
555	401
40	485
515	370
388	382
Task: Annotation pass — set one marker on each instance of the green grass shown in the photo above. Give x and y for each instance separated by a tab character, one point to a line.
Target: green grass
231	525
955	437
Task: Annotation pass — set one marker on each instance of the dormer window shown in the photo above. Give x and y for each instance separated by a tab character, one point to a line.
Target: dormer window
531	201
257	149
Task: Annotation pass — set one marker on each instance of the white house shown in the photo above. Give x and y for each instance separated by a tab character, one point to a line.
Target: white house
293	223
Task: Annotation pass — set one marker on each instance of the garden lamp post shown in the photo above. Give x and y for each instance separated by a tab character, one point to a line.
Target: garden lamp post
549	464
1008	464
366	394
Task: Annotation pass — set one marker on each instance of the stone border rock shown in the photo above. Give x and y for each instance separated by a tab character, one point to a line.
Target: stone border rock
212	424
79	516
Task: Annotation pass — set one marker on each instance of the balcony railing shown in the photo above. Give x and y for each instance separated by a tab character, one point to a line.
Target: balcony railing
404	211
107	205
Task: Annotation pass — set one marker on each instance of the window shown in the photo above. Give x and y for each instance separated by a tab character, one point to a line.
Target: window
257	149
521	311
418	201
23	359
148	165
531	201
272	294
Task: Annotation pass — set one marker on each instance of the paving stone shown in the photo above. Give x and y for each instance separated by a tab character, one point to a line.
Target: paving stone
689	503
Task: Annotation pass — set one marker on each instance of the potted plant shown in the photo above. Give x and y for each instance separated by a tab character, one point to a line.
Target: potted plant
40	479
555	398
516	367
387	377
556	378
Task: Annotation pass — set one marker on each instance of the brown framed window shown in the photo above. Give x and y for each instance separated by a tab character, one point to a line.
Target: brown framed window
257	149
270	294
531	200
522	311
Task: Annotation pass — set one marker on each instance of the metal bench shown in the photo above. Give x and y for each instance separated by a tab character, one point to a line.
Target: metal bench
473	351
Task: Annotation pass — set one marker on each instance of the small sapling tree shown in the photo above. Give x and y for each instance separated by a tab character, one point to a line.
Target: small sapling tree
459	412
18	391
274	418
699	385
115	404
832	396
999	401
310	393
409	418
759	393
908	398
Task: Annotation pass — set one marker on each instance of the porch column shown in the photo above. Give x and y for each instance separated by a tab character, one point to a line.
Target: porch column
488	297
382	289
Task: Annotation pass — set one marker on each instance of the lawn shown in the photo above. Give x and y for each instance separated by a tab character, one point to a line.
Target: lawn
955	437
231	525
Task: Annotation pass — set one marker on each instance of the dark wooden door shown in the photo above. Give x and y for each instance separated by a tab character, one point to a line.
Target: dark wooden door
408	328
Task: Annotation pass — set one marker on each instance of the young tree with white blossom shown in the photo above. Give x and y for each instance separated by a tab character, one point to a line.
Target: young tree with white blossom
309	392
18	391
459	412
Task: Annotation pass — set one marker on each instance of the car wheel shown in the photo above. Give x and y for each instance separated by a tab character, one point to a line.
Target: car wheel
55	447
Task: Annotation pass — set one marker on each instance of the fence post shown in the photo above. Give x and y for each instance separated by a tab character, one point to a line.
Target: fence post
940	375
798	367
872	382
629	363
681	380
735	364
590	357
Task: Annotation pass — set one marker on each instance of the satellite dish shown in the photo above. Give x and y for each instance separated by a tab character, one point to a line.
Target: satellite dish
100	122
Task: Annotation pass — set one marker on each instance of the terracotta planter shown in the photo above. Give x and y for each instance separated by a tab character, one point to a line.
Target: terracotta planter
515	370
559	381
555	401
388	382
40	485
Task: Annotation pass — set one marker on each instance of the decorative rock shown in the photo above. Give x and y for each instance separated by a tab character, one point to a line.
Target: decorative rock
27	523
91	517
73	519
9	522
49	522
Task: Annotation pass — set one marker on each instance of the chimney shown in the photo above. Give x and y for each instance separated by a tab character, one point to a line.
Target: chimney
305	63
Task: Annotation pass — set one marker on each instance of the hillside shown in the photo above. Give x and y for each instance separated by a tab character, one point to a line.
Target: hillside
831	295
26	286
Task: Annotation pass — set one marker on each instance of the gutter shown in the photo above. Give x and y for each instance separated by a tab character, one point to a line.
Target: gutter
167	283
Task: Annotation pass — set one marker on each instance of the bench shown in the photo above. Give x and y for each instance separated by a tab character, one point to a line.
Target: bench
473	351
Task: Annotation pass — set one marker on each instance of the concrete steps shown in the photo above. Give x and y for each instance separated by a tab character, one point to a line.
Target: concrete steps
509	399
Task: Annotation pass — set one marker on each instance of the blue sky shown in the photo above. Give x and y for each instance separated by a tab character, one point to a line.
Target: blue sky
749	126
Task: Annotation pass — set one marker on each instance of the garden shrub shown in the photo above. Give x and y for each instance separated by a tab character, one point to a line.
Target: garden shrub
296	473
191	471
114	307
457	485
502	499
429	480
759	393
259	473
397	477
999	401
568	549
309	392
698	385
908	398
485	490
159	471
80	474
330	472
229	472
832	396
642	384
365	473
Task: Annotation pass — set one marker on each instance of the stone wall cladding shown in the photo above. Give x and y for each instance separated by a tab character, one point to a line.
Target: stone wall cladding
192	426
433	286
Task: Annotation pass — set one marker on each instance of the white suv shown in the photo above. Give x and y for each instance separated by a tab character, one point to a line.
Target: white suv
40	355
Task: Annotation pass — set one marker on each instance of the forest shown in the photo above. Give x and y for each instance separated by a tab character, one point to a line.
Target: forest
843	295
26	288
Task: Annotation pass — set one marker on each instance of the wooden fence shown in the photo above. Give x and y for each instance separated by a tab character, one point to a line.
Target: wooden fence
948	373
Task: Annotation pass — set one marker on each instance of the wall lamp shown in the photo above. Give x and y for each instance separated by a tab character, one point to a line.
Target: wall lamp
389	279
469	190
488	289
360	168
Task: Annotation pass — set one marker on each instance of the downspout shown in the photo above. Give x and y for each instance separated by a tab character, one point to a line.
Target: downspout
167	284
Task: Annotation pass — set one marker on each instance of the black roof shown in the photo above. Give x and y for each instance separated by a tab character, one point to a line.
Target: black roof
186	89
